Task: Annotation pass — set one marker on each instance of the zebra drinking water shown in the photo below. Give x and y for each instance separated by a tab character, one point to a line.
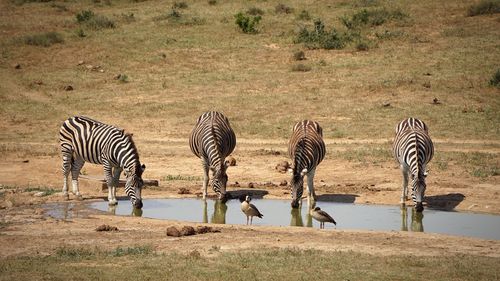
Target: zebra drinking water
413	149
306	149
86	140
212	140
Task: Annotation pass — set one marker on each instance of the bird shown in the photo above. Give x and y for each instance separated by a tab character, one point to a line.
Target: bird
249	209
322	217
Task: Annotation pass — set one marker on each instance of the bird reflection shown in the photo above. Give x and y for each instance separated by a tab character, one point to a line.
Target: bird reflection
416	225
219	215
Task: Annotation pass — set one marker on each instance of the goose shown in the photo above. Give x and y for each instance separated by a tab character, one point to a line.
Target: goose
322	217
249	209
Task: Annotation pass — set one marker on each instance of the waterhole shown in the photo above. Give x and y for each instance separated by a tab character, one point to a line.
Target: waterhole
347	215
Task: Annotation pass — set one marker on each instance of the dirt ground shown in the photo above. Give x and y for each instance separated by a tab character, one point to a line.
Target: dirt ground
26	229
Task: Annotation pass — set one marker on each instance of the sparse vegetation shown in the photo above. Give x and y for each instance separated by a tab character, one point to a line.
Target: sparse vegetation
212	2
246	23
46	191
319	38
46	39
283	9
299	55
373	17
181	178
255	11
179	5
484	7
495	80
94	21
304	15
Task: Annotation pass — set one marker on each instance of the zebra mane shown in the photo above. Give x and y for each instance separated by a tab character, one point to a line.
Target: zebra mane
132	143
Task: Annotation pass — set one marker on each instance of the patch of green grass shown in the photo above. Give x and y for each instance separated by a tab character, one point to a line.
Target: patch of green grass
128	251
372	17
181	178
46	39
176	17
485	7
477	164
22	2
263	264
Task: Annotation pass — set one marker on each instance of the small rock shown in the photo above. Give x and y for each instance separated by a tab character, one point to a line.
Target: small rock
80	62
386	104
118	76
68	88
89	66
101	70
38	82
26	161
202	229
427	74
283	183
231	160
39	211
183	190
436	101
173	231
472	206
427	85
187	230
251	185
39	194
106	227
17	66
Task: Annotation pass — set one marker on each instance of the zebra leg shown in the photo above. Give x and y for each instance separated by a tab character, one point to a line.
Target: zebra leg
404	192
76	166
205	180
109	181
66	168
310	187
116	180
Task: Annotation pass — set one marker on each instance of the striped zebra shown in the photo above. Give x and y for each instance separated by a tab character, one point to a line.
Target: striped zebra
413	149
306	149
212	140
86	140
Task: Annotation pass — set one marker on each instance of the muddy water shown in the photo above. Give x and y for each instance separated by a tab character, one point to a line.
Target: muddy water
348	216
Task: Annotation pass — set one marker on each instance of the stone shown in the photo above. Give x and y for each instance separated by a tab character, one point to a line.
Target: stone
283	183
17	66
173	231
183	190
187	230
68	88
80	62
106	227
251	185
231	160
39	194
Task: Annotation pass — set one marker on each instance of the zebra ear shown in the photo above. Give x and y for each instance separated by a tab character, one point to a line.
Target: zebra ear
304	172
426	173
143	167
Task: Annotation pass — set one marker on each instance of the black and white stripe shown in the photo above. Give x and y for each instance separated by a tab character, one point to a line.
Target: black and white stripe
413	149
212	140
306	149
86	140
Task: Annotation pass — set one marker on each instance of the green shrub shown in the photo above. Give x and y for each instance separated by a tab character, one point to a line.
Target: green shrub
43	39
484	7
255	11
362	45
93	21
374	17
495	80
247	23
321	39
81	33
301	68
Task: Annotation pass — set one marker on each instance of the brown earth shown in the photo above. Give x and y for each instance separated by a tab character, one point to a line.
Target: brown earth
26	229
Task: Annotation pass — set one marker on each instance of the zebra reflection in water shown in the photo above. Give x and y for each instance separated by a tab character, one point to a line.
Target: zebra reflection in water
416	225
219	214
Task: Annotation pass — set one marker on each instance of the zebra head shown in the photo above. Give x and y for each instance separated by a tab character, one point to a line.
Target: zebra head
297	186
418	191
134	184
218	181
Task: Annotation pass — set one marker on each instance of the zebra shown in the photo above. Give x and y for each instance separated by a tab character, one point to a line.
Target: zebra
306	149
413	149
212	140
83	139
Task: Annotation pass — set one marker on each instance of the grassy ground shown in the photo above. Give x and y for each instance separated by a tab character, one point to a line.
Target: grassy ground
142	263
177	68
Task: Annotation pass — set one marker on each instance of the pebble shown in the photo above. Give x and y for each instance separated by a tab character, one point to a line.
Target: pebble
39	194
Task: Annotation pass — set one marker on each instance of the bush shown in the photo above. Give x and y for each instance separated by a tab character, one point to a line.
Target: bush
321	39
371	18
484	7
362	45
495	80
301	68
212	2
93	21
44	39
247	23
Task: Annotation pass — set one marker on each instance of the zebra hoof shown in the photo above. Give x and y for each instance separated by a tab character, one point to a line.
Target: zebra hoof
66	197
79	197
